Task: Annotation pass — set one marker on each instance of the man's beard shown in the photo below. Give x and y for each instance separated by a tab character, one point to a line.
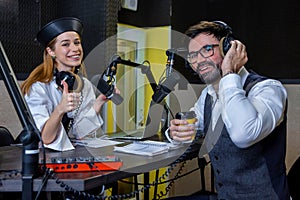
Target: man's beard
213	75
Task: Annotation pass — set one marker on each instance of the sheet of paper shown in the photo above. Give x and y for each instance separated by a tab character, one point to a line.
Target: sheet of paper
146	148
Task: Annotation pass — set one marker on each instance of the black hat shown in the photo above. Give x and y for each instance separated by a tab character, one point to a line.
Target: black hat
58	26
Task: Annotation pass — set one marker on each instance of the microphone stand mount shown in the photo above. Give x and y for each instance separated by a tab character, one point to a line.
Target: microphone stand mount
146	70
30	135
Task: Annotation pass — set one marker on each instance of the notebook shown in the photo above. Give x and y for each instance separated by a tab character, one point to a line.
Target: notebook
151	128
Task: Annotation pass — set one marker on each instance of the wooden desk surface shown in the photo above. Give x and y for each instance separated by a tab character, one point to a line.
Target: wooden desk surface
11	159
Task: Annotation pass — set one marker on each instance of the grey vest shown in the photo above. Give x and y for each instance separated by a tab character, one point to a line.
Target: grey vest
257	172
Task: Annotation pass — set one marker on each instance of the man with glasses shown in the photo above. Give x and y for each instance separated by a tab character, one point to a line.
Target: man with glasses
242	115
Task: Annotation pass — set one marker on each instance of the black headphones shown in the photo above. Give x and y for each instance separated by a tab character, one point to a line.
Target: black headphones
72	79
224	44
225	41
67	77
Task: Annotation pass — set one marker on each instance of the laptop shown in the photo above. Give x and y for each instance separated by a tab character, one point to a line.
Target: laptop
151	128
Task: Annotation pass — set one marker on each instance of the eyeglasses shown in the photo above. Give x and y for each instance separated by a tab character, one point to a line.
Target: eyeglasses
205	51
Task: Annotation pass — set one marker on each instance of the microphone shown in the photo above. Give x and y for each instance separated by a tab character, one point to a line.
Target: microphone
106	83
107	89
171	57
166	87
111	70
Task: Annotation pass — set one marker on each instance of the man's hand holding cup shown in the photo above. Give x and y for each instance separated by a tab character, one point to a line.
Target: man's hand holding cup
183	127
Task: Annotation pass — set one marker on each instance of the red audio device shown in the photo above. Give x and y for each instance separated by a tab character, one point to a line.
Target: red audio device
81	164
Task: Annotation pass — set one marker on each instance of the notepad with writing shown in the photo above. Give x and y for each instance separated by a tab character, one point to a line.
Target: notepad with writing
146	148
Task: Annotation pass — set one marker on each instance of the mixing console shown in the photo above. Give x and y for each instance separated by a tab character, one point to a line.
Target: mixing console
79	164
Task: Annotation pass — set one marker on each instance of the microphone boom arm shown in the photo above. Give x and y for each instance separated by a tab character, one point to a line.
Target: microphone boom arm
144	68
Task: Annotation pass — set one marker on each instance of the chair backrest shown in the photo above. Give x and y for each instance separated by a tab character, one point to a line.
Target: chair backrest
6	137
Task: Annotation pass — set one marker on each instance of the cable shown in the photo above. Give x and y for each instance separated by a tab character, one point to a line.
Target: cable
146	61
162	78
9	174
161	179
44	181
169	109
169	186
88	196
163	182
194	147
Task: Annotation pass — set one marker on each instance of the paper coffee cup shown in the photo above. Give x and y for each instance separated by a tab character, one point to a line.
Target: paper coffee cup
190	117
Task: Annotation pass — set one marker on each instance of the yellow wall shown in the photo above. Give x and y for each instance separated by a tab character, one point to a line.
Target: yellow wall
156	43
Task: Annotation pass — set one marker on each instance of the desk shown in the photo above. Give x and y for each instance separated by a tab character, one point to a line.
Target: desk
11	159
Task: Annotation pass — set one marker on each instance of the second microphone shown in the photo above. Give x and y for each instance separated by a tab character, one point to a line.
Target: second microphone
108	90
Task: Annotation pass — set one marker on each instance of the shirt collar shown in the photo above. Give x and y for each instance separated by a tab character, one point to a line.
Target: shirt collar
211	91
